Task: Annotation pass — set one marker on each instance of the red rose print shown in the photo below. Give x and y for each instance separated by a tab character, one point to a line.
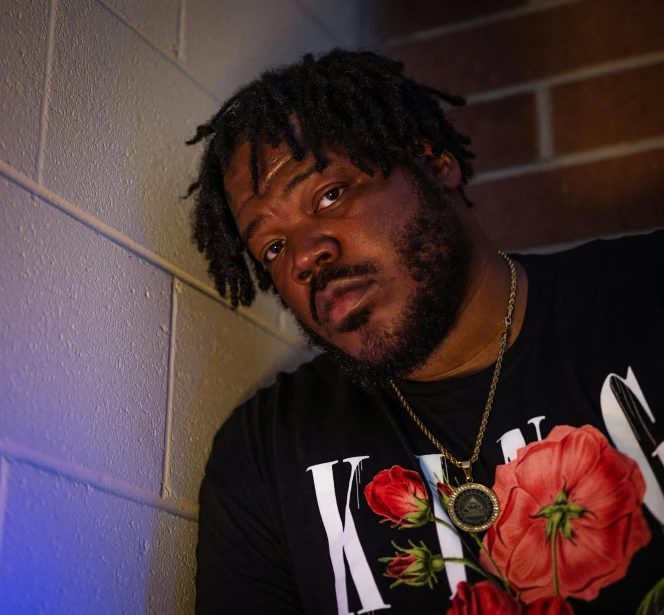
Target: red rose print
415	566
398	566
549	606
444	490
400	496
570	519
483	598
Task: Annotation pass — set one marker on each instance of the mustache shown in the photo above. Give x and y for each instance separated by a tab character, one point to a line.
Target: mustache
331	272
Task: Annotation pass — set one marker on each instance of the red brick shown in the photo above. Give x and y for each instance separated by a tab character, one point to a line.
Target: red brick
400	17
609	109
536	45
610	196
503	131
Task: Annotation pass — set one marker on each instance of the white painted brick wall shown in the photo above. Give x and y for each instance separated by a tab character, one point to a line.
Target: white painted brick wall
84	352
210	344
118	362
122	123
227	43
23	28
75	550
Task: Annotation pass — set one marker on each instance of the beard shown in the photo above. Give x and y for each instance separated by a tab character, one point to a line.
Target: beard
434	251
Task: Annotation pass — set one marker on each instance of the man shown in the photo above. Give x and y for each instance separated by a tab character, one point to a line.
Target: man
481	433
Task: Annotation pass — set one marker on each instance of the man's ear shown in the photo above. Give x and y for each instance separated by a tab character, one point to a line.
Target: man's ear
445	169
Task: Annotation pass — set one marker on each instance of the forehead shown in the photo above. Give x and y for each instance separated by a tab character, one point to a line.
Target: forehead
237	177
276	166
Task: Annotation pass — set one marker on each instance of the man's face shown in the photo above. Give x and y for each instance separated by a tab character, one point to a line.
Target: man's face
373	269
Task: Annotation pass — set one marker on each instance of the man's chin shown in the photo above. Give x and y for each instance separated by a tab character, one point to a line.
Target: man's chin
353	337
348	336
346	355
367	363
355	321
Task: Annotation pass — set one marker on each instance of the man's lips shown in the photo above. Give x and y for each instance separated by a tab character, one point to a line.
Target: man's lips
340	298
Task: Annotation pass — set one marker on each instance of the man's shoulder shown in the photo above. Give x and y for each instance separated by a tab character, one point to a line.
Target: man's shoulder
611	251
291	394
307	399
320	375
629	260
601	282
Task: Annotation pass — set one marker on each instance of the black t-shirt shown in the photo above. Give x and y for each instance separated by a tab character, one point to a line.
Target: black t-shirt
322	498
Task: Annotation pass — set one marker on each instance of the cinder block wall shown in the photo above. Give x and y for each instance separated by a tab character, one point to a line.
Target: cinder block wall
565	108
117	360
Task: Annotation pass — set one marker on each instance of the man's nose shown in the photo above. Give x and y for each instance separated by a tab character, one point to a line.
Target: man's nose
310	253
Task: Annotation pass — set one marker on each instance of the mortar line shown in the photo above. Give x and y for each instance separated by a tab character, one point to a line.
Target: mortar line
4	489
86	476
577	158
544	122
579	74
168	431
170	58
46	90
425	35
120	239
181	31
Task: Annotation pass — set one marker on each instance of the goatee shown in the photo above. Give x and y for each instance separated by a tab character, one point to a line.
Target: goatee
435	252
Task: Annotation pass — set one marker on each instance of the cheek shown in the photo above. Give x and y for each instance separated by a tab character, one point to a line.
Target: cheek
381	222
296	298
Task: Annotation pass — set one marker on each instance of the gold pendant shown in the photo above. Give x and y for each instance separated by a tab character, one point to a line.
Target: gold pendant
473	507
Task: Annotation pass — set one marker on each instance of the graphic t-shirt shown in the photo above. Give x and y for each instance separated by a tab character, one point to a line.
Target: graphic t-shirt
322	498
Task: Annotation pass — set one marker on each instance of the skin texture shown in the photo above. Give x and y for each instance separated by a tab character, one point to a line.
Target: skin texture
302	223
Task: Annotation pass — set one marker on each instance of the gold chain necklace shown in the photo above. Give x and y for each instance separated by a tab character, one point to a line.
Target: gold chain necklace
473	507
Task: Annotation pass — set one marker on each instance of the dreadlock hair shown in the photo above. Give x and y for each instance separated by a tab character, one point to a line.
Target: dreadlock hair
356	101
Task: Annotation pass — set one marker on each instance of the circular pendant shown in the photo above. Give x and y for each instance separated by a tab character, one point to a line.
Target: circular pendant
473	507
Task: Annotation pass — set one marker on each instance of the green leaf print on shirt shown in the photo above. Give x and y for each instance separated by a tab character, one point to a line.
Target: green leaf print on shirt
653	603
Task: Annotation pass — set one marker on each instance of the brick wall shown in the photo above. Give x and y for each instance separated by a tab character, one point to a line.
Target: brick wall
565	108
118	362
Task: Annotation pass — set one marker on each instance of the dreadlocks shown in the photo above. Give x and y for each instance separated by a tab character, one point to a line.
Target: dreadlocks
359	102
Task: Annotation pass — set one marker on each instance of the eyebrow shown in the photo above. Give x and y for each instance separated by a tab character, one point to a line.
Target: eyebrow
253	227
294	182
297	180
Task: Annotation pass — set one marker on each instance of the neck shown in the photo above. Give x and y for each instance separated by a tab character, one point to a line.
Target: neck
472	343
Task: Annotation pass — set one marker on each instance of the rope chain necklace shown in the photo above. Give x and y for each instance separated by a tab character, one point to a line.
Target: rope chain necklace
473	507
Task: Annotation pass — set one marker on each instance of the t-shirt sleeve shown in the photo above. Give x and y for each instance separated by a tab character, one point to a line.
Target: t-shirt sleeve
241	563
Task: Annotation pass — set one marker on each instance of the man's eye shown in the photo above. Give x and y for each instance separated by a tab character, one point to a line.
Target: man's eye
330	197
273	251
